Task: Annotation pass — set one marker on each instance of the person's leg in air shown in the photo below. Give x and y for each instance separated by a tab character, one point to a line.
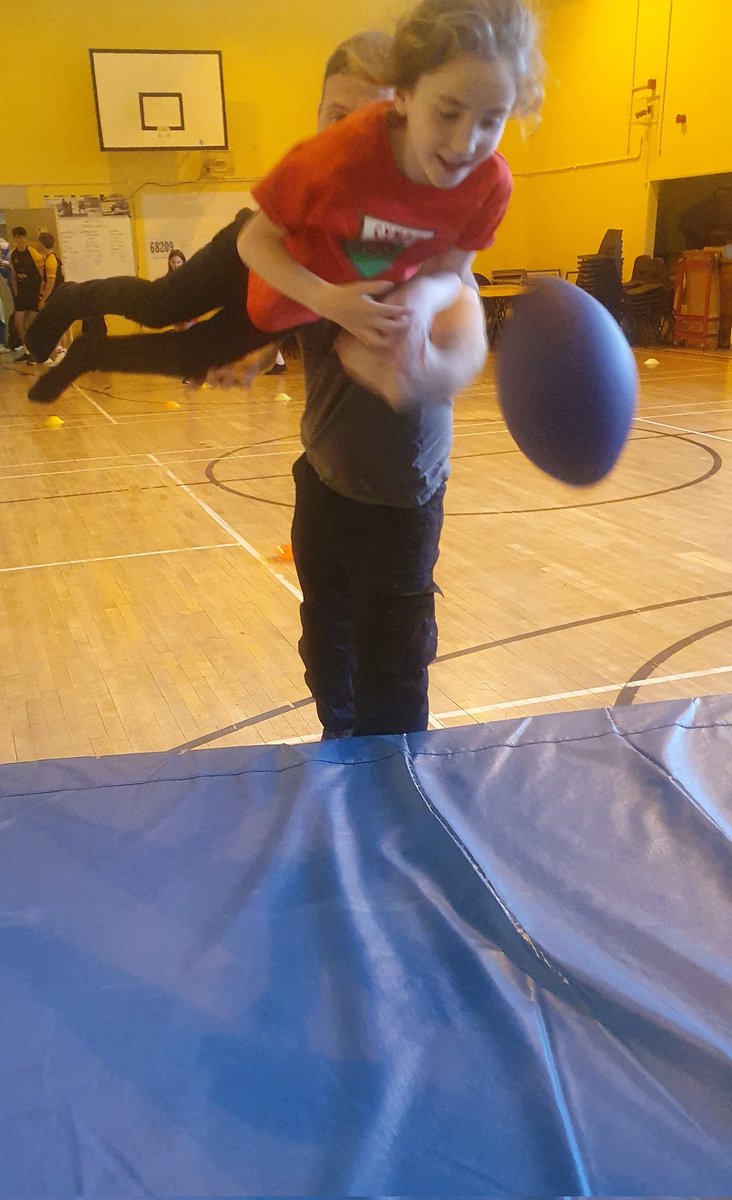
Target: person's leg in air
212	277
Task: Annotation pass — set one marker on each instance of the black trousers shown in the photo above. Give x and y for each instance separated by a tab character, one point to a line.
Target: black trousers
368	614
182	353
213	278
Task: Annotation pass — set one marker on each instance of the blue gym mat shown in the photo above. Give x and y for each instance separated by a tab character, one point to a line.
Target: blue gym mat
493	960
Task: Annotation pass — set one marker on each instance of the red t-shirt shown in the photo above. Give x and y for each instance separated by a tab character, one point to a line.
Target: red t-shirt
350	213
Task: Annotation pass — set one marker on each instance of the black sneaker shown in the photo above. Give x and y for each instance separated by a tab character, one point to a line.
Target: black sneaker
277	369
56	379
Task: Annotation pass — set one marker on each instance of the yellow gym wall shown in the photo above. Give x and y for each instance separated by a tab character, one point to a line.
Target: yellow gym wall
584	169
591	165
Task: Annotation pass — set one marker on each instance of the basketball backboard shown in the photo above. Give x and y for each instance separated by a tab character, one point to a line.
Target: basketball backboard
159	99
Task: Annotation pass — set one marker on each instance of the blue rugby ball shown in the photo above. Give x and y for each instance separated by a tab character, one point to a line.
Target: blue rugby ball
567	382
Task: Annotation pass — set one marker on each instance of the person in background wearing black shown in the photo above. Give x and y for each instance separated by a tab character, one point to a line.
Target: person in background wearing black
26	278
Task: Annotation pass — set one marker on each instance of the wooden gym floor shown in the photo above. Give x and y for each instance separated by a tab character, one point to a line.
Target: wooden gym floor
143	607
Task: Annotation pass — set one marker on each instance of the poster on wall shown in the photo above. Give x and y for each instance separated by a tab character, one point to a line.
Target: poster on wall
95	235
184	221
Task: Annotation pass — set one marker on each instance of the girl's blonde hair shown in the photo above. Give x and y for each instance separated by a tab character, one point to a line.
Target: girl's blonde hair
437	31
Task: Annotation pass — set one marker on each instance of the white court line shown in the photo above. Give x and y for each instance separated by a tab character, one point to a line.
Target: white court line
596	691
98	407
142	454
480	433
74	562
132	466
122	421
78	471
685	398
670	411
716	437
436	719
240	541
653	376
224	450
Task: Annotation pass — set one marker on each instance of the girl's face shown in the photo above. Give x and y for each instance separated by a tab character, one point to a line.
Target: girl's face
175	262
455	118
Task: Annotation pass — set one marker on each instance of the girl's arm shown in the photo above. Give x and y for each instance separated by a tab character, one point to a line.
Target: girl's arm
353	306
443	349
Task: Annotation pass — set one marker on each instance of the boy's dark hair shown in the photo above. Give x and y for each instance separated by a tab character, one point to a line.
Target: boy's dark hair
19	231
47	240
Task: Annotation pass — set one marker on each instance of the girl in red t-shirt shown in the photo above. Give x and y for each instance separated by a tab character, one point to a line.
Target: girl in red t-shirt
408	185
405	186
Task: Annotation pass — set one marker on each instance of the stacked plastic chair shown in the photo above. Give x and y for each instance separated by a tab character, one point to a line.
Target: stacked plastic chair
601	274
513	277
648	303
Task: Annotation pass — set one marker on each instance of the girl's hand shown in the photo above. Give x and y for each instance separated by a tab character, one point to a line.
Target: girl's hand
356	308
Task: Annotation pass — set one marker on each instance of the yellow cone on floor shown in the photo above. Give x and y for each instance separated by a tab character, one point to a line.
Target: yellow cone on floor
283	397
53	422
171	405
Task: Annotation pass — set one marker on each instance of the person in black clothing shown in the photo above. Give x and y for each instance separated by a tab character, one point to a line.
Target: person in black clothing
369	486
26	279
213	278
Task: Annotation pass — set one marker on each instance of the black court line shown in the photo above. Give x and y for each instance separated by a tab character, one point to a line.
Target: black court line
256	720
580	622
260	718
144	487
627	695
649	436
713	469
677	487
210	473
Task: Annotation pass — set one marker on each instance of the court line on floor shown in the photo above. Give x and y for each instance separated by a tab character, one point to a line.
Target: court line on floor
74	562
98	407
681	429
653	375
120	462
691	412
240	541
596	691
528	635
648	669
81	421
127	466
669	393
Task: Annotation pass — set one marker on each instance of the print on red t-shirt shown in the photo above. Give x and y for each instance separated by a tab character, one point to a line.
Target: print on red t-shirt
350	213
